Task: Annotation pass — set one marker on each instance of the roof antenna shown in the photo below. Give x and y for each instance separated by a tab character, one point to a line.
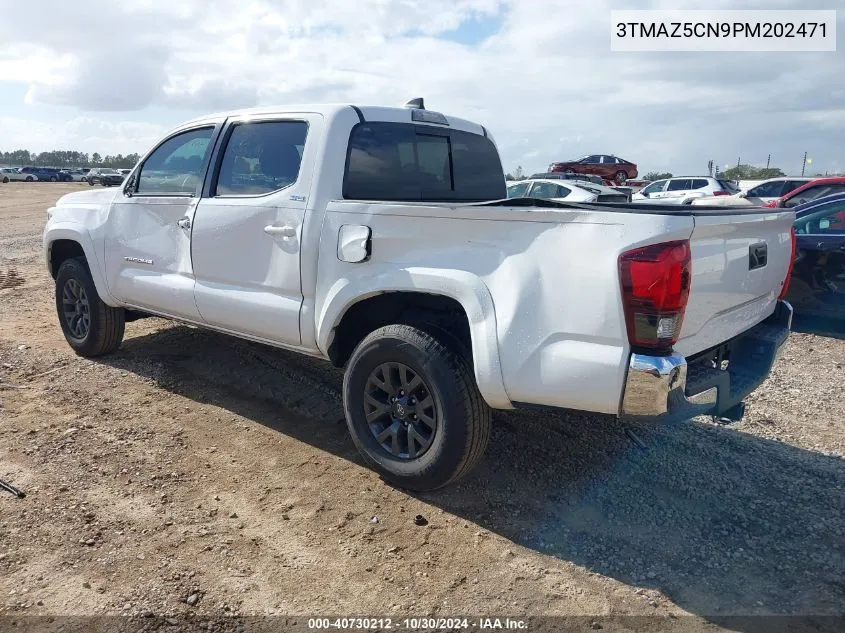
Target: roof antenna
416	104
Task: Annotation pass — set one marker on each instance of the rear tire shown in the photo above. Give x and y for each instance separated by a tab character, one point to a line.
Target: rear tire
90	327
5	179
620	177
450	420
53	179
29	178
90	183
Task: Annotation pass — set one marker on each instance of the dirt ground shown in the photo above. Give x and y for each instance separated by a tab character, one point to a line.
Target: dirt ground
192	473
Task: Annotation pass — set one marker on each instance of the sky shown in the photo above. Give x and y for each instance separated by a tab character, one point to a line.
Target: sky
111	77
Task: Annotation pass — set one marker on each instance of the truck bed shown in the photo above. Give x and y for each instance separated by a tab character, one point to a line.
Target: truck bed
729	292
628	207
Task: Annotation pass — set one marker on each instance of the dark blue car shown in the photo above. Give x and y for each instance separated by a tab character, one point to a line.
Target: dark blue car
817	288
48	174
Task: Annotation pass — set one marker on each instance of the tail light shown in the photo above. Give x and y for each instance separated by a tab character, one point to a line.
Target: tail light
788	278
655	289
721	192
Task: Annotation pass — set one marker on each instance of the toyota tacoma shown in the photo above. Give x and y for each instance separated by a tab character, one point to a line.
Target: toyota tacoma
381	239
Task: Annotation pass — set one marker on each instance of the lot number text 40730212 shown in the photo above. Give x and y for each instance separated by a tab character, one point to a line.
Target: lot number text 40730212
448	624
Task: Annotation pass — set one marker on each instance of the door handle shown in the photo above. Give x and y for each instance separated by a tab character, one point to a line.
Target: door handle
282	231
184	223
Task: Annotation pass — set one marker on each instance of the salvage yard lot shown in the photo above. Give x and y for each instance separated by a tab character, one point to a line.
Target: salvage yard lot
191	472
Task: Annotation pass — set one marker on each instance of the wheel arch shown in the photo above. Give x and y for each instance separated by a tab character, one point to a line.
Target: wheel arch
69	240
385	294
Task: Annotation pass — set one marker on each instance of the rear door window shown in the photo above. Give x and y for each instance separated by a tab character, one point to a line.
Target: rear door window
791	185
545	190
679	184
698	183
261	157
402	161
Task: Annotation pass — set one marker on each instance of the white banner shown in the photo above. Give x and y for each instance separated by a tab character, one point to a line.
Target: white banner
723	31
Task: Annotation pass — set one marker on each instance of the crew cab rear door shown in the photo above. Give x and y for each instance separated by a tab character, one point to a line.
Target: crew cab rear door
247	229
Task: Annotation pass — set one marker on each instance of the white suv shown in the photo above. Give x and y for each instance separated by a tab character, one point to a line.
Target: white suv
684	190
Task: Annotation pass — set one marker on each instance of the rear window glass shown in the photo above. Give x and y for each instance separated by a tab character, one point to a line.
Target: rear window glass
811	193
698	183
403	161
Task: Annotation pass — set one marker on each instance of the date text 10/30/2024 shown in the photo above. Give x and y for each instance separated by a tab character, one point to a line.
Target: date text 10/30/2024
451	624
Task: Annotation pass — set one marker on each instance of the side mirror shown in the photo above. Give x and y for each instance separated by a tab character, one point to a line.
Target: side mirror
645	194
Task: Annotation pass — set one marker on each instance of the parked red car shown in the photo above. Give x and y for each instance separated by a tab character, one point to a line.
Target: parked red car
607	166
809	191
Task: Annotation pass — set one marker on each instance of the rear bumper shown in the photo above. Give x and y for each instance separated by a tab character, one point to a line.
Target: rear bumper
675	387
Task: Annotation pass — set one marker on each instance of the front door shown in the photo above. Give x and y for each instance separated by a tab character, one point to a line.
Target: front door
591	165
654	191
248	228
148	232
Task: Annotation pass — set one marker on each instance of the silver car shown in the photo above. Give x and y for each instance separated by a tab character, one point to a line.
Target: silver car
566	190
9	174
684	190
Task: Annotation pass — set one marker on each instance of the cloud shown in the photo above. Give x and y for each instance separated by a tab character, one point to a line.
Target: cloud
546	83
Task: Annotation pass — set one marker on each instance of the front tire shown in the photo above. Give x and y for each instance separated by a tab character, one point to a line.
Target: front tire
413	409
5	179
90	327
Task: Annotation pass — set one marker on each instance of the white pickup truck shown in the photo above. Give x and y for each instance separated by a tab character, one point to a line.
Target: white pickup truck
381	239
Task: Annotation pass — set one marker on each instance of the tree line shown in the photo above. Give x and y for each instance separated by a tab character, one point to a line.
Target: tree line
66	159
740	172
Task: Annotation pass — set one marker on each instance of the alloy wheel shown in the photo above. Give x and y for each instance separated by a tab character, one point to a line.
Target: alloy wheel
76	309
400	410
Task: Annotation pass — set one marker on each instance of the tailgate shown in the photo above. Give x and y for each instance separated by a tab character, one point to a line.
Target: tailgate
738	265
